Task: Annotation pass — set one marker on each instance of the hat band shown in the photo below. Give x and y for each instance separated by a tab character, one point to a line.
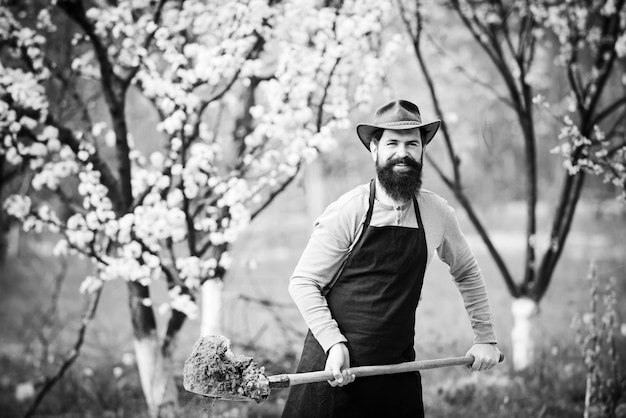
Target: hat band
401	122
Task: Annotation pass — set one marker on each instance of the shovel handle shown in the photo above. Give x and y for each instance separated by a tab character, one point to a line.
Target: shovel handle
286	380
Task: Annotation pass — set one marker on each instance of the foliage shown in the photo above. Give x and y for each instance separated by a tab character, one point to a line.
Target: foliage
597	336
592	49
552	387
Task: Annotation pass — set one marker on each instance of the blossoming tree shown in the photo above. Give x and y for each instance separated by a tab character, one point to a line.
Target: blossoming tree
244	94
587	42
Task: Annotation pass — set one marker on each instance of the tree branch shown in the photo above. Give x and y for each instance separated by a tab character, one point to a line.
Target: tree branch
607	111
174	325
494	52
471	77
482	232
67	137
71	357
150	36
256	47
275	193
454	159
114	93
560	229
596	87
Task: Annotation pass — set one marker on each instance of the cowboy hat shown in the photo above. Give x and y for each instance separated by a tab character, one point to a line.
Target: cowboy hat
397	115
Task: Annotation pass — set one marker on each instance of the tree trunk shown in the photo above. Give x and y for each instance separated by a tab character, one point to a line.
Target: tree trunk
157	377
524	312
154	363
212	294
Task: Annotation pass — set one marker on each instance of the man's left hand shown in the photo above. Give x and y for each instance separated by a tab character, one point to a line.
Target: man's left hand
485	356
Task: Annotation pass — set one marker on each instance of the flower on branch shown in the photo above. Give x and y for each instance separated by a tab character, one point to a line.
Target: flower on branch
183	302
17	206
213	163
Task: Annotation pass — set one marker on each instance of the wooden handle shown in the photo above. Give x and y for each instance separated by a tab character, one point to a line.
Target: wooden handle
286	380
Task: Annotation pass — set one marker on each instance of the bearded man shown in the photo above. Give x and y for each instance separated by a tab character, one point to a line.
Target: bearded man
359	280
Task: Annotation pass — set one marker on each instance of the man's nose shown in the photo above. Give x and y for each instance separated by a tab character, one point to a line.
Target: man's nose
401	151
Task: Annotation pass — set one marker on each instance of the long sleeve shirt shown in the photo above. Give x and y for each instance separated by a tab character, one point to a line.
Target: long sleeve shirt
337	229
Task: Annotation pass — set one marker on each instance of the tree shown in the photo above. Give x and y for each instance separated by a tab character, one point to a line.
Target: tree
587	41
240	95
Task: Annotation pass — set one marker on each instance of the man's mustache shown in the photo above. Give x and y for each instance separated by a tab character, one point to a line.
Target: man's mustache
408	161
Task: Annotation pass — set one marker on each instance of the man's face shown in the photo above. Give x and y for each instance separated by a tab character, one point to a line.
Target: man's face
395	145
398	157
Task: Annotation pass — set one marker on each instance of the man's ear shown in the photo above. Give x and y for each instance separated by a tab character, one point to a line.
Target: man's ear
374	150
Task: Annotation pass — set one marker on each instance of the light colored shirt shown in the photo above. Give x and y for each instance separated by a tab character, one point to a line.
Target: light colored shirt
337	229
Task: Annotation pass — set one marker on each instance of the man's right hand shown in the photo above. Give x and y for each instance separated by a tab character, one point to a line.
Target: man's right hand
338	361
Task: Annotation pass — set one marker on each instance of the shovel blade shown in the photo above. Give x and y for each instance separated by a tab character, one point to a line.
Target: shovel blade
223	396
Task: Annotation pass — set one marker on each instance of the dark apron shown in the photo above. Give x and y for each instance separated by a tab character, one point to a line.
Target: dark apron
373	300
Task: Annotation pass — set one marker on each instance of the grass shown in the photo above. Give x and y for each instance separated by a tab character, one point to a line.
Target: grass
104	381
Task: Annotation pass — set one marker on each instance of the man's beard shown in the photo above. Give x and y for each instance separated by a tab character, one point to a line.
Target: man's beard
400	186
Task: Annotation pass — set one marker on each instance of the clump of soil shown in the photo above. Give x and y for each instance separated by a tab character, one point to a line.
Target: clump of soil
213	370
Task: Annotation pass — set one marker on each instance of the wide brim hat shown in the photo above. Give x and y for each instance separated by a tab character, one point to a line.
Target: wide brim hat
397	115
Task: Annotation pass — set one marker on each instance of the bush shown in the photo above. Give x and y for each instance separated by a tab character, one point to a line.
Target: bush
597	336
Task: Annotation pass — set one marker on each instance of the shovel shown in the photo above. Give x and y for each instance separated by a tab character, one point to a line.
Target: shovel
213	370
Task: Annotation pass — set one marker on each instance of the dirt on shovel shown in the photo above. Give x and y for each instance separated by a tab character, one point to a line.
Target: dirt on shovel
213	370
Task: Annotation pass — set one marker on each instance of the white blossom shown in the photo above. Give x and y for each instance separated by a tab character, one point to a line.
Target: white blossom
24	391
118	372
182	302
17	205
90	284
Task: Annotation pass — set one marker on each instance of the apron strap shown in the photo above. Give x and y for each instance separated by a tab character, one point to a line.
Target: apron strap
366	223
418	215
370	209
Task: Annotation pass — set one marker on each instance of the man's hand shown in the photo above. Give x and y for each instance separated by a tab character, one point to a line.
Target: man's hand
485	356
338	361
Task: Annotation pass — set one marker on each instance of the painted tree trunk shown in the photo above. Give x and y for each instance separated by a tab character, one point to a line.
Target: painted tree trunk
212	294
588	385
524	311
157	378
154	363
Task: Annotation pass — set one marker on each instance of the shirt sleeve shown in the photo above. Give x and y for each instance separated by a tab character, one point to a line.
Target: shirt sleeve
468	278
333	233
